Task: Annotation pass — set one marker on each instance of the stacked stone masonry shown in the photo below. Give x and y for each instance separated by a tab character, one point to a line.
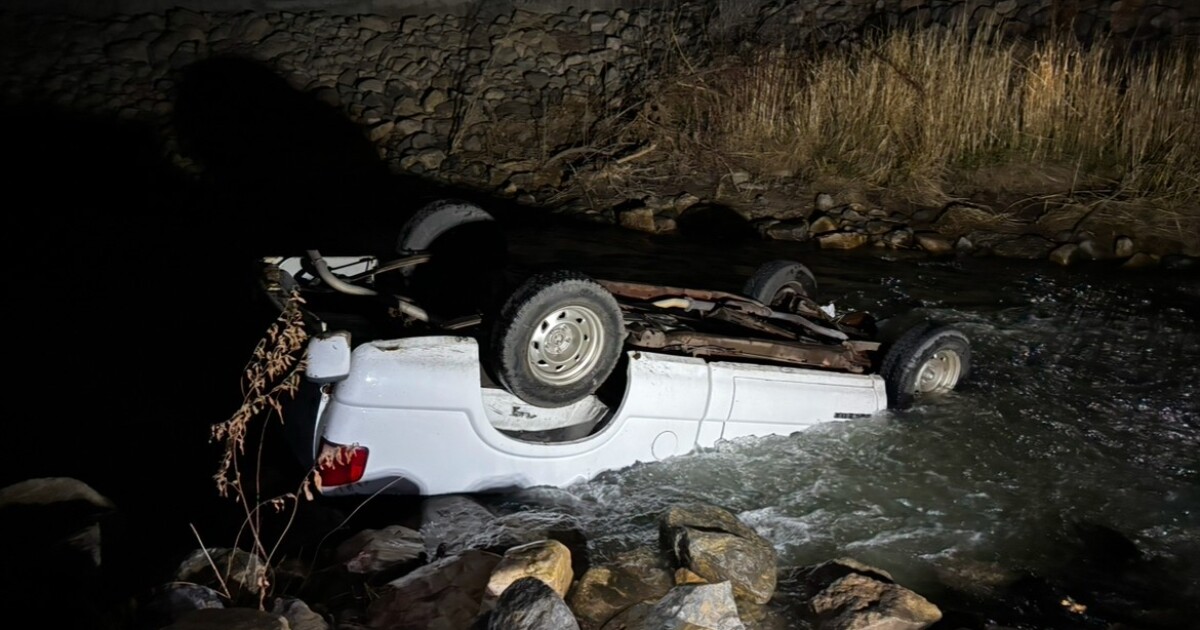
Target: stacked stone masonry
460	92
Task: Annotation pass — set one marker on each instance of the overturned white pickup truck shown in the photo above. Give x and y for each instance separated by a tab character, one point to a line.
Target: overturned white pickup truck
575	376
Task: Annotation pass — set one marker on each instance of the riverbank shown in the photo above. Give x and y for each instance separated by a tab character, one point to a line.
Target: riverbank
936	134
463	565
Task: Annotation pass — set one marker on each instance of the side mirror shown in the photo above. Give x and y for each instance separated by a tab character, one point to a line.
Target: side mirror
328	357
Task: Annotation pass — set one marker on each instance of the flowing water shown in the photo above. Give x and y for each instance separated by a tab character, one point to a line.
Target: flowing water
1077	432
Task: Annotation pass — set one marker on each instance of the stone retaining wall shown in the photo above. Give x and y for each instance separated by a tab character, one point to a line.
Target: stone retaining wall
485	94
460	95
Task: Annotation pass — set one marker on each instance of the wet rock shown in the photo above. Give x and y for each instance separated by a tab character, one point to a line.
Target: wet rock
824	202
170	602
901	238
1025	247
846	593
1123	248
713	544
641	219
933	243
375	550
444	594
842	240
959	219
229	619
632	618
529	604
817	577
859	602
1091	249
546	560
498	534
631	577
878	228
702	516
695	607
788	230
298	615
976	578
242	572
1140	260
61	539
823	224
683	575
1066	254
852	217
1179	262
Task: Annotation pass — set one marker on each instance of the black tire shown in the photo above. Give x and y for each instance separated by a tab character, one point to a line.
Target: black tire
776	281
927	359
435	219
468	256
556	339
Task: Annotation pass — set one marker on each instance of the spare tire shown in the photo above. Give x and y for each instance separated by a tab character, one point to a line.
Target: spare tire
468	256
556	340
928	359
776	282
435	219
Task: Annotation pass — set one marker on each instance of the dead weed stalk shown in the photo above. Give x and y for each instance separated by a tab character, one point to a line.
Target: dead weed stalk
272	374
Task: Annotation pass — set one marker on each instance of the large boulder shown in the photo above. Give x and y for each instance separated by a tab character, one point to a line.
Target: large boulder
849	595
713	544
60	550
444	595
171	601
375	550
449	522
453	523
630	578
298	615
529	604
695	607
545	560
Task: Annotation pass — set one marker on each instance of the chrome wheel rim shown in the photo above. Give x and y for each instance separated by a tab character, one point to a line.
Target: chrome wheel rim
940	373
565	345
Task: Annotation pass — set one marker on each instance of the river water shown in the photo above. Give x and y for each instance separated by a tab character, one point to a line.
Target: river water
1067	466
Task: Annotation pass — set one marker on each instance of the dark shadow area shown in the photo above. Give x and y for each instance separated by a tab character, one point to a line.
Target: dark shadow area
134	303
714	222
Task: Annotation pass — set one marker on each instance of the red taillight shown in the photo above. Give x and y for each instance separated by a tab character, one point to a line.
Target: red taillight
339	465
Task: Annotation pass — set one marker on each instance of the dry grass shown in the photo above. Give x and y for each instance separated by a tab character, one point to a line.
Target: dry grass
910	108
272	373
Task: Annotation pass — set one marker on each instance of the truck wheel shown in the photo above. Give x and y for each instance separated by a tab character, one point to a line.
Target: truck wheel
928	359
557	339
435	219
777	282
468	255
